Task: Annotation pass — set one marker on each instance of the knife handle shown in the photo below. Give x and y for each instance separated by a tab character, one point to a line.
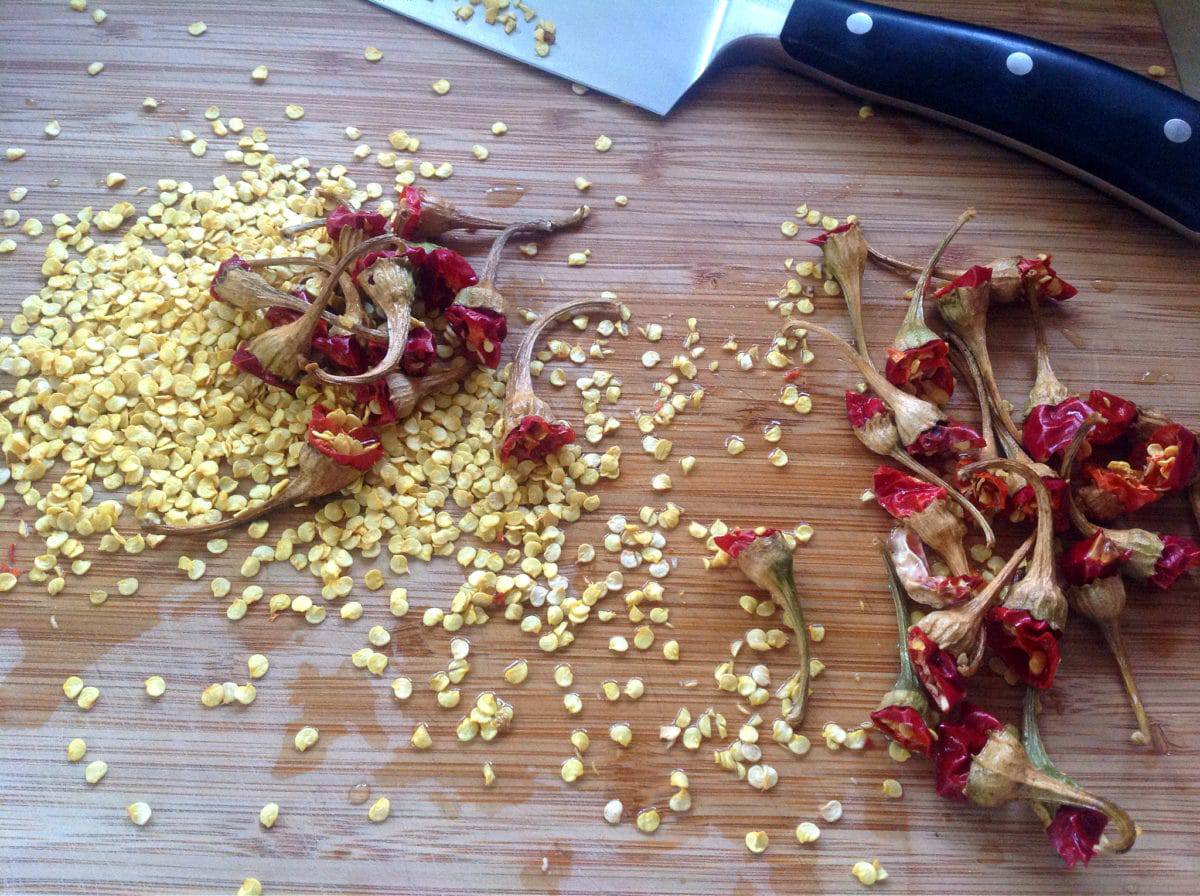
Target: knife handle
1115	129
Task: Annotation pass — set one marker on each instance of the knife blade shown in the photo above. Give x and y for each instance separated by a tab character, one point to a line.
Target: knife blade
1181	22
1117	130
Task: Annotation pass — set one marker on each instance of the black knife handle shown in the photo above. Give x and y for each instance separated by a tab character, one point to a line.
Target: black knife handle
1122	132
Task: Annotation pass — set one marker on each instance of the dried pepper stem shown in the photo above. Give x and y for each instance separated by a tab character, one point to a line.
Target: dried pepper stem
405	394
965	362
844	251
1047	388
914	319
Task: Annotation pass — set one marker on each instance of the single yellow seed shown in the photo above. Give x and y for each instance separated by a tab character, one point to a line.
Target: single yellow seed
259	74
756	841
516	672
251	886
306	737
268	815
735	445
621	734
603	143
372	54
648	821
489	775
807	832
573	703
380	810
197	28
580	740
95	68
572	770
441	86
789	228
72	686
621	200
127	587
139	813
95	771
87	697
868	873
671	651
420	738
294	111
76	749
499	128
402	688
156	686
897	752
612	691
892	788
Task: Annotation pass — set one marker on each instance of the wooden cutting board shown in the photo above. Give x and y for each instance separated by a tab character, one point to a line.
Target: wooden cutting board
700	238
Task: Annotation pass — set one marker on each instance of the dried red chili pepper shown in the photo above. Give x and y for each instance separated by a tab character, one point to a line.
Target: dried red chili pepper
947	440
844	252
1012	278
904	713
1122	484
1038	592
421	215
477	316
958	630
1167	457
528	432
441	274
1026	645
765	558
873	425
907	555
1073	830
919	359
937	670
1092	558
1041	281
963	305
957	744
1179	555
1116	416
1053	415
924	508
1022	505
336	452
420	351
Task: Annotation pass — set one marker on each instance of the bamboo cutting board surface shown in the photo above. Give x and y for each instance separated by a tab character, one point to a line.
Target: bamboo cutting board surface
700	238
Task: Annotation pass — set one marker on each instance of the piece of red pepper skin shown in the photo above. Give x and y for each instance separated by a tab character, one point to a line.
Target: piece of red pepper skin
1092	558
441	274
946	440
1123	484
1074	831
958	741
319	422
1022	505
347	226
1048	429
419	352
1167	458
1027	647
421	215
1041	279
1180	555
923	371
1117	416
904	713
902	495
936	669
906	555
482	332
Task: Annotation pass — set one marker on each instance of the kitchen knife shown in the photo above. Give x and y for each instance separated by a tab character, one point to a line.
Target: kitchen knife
1124	133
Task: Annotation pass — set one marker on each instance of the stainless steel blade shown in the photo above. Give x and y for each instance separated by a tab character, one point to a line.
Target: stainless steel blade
1181	22
646	52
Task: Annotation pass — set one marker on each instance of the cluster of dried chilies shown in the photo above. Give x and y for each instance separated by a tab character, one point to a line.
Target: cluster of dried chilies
1076	462
367	320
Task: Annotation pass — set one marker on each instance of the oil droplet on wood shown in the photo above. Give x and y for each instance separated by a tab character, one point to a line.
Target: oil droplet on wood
359	794
503	195
1154	377
1072	337
1103	285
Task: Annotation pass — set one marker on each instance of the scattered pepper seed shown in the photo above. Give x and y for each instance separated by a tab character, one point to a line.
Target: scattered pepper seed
156	686
52	128
139	813
76	749
441	86
756	841
603	143
95	771
95	68
380	810
807	832
259	74
306	737
648	821
294	111
251	886
869	873
196	29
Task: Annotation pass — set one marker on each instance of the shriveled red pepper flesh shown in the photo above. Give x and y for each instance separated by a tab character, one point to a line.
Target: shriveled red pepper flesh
862	407
408	214
906	726
1075	833
737	540
1167	459
535	438
1028	647
946	440
1092	558
1123	484
481	330
1116	414
937	669
902	495
1050	428
441	274
420	352
1022	506
367	437
1037	274
343	217
986	490
972	278
957	743
923	371
1179	556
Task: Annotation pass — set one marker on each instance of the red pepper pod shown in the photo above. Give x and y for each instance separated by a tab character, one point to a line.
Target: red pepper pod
366	437
986	490
1123	484
737	540
1050	428
1089	559
535	438
420	351
906	726
907	556
1037	275
1167	458
972	278
343	217
481	330
408	212
1023	504
1179	556
1117	416
863	407
822	238
923	371
1027	646
957	744
441	274
902	495
937	670
375	400
1075	832
946	440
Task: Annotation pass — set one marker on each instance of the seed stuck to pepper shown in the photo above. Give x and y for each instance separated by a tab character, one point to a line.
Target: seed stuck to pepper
918	360
764	557
844	250
338	449
959	630
478	315
529	431
904	713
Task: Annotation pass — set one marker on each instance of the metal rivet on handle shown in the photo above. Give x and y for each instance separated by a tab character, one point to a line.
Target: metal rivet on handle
859	23
1019	63
1177	130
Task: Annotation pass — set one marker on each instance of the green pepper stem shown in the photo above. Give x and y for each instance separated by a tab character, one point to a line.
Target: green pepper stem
908	676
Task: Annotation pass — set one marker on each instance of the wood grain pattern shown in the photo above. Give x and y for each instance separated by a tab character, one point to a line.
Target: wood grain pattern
708	188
